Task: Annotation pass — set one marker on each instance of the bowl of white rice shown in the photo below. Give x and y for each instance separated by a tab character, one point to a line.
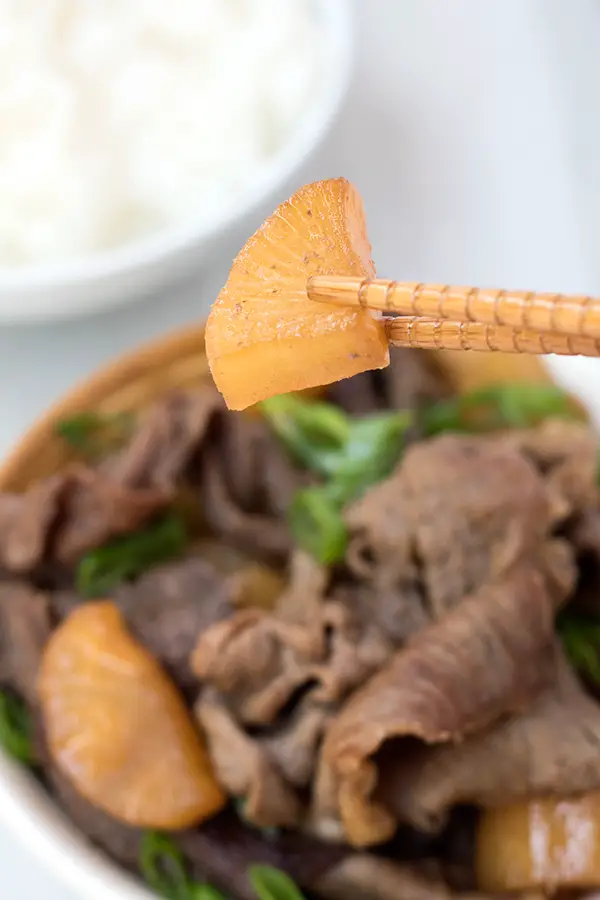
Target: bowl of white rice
140	138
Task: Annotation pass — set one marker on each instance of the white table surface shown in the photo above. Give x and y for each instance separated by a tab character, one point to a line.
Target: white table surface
471	131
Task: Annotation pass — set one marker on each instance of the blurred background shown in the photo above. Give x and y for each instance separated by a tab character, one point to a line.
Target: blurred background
471	130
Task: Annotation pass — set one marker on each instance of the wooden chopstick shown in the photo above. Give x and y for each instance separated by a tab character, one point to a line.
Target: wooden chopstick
441	334
557	314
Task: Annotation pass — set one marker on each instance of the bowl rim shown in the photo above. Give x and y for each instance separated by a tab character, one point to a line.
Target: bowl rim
337	27
51	840
26	809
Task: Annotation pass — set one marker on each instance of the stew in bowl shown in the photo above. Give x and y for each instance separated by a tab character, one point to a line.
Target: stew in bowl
341	645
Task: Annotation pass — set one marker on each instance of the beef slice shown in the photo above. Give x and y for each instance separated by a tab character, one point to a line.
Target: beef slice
457	513
487	657
24	630
170	606
168	436
565	452
258	471
245	768
312	643
62	517
411	379
363	876
261	535
272	681
551	747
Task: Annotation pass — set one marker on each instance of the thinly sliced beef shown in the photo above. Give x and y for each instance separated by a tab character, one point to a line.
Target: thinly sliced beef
302	600
488	657
411	379
262	536
65	515
362	876
62	517
257	662
281	479
170	606
459	517
358	395
139	480
166	440
294	744
257	470
94	509
241	441
457	513
246	481
260	660
566	454
24	629
378	620
245	768
26	522
272	681
268	770
553	747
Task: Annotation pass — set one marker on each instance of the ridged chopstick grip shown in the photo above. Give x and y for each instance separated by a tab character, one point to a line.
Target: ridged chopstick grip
560	313
443	335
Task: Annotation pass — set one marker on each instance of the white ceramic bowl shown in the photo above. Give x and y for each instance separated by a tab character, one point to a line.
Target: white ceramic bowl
25	808
61	290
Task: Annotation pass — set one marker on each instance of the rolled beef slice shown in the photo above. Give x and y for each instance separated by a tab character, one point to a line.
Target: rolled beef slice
488	657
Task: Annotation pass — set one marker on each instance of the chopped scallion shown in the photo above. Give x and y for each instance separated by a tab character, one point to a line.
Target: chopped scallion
15	728
349	454
94	434
312	433
122	559
317	524
580	638
163	867
500	406
270	883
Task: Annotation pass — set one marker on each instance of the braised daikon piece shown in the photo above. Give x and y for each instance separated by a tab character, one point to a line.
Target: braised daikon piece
264	336
551	843
117	727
